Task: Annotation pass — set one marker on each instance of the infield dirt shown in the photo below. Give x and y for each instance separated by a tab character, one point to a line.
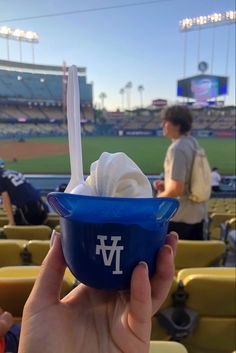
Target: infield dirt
30	149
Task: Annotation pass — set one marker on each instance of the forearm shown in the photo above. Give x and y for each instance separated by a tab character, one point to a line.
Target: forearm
168	193
8	208
174	189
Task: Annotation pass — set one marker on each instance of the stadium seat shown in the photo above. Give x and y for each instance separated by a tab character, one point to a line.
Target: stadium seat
194	253
16	283
159	332
226	227
37	250
27	232
52	220
3	220
232	241
11	252
228	233
215	221
210	295
166	347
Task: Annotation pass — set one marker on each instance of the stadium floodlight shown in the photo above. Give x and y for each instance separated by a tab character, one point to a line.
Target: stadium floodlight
223	18
19	34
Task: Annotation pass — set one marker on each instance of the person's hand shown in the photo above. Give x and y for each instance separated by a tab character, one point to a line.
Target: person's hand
159	185
6	322
94	321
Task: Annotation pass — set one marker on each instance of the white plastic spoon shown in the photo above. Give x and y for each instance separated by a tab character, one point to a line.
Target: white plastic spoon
76	184
74	130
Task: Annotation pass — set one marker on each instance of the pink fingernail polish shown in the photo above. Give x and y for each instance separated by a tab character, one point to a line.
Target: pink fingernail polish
54	234
144	264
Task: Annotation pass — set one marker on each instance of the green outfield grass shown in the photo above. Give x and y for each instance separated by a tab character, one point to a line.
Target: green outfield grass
147	152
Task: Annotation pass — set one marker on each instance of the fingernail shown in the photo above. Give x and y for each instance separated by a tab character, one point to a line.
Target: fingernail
175	234
169	249
54	234
144	265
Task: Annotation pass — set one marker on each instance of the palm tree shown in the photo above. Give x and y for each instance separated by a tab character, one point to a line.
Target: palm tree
140	90
102	96
128	87
122	91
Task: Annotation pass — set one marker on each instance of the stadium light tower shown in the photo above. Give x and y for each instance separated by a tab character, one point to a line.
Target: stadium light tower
223	18
21	36
203	22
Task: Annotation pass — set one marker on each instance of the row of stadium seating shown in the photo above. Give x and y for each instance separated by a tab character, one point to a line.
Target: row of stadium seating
25	130
199	310
134	120
20	251
220	210
33	85
32	112
138	122
215	227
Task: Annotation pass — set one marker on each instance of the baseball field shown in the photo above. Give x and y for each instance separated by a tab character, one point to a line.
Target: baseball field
50	155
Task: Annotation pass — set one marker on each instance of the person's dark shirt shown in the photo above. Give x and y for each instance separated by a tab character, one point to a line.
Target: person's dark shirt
19	189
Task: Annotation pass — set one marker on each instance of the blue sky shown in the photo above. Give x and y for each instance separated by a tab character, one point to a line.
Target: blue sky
141	44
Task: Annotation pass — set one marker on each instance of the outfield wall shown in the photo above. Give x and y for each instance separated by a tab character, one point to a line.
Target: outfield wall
128	132
196	133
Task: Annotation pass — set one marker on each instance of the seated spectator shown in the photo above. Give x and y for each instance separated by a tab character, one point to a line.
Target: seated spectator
215	180
17	191
9	333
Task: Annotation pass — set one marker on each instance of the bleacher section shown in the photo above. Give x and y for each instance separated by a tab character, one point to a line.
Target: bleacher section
32	130
38	85
36	93
221	118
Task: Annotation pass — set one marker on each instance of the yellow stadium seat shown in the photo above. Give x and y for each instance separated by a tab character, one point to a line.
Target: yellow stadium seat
16	283
3	220
231	224
166	347
215	220
194	253
210	294
27	232
52	220
11	252
226	227
37	250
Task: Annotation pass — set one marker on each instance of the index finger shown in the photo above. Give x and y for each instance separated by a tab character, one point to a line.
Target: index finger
46	290
162	279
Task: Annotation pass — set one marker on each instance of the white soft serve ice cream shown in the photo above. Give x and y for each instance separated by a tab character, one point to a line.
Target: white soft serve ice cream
115	175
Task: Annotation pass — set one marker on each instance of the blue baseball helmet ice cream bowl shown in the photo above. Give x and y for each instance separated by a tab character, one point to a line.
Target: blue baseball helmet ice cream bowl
104	238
